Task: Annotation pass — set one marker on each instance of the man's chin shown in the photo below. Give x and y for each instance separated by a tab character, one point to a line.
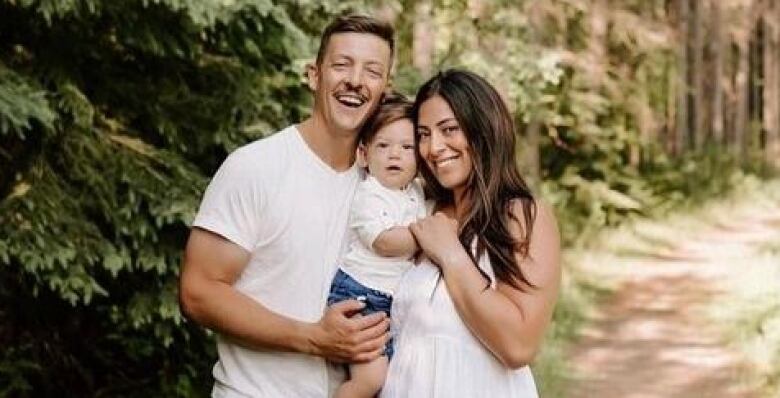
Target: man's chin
351	125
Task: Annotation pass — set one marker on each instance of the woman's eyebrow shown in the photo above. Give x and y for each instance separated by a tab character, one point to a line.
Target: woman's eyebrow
449	119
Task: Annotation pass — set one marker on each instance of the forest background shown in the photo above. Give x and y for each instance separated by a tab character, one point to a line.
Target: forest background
114	115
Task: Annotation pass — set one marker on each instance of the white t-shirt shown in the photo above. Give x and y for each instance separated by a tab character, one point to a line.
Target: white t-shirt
375	209
278	200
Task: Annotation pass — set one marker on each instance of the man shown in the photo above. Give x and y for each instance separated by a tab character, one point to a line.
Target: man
272	226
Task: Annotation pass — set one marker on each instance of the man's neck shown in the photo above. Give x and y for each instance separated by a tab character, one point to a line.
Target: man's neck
335	148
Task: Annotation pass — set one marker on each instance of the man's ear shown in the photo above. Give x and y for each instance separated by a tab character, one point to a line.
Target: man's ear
312	76
362	159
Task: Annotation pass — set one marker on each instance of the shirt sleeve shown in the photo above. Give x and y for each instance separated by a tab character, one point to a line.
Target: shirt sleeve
233	202
371	214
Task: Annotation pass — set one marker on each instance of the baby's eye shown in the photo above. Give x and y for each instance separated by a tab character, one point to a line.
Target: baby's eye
382	145
408	146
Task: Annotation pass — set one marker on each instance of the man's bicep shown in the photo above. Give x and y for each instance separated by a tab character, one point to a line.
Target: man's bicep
213	257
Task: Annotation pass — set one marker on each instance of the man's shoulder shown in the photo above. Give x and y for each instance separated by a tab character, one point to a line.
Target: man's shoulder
268	144
260	158
262	151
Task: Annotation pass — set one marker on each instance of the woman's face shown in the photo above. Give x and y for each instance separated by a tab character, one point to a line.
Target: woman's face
443	144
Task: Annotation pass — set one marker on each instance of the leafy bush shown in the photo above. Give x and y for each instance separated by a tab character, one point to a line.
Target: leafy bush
112	117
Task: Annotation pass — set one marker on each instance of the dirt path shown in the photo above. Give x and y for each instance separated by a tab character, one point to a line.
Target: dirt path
653	338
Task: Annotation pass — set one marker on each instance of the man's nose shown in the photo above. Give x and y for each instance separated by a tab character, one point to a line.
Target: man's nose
355	77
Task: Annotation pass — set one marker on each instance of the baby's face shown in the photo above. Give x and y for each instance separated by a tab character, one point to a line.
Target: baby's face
391	155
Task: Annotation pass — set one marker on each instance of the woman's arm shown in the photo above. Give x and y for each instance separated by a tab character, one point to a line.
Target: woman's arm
509	322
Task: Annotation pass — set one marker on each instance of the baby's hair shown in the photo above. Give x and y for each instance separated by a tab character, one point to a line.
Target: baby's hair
394	107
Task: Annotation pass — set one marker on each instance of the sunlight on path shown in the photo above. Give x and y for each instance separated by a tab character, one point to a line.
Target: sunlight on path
654	338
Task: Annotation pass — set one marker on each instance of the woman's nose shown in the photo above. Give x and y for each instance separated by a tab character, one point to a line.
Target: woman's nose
436	142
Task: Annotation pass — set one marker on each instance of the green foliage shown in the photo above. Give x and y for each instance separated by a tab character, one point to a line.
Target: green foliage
21	105
113	115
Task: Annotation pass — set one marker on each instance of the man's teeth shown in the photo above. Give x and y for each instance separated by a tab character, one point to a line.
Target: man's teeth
350	100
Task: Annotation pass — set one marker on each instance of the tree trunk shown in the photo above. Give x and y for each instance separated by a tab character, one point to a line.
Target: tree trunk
423	37
755	88
771	89
671	109
741	89
387	12
531	146
531	154
717	89
682	81
698	73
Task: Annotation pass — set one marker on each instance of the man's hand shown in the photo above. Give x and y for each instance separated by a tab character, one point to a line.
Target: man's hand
341	337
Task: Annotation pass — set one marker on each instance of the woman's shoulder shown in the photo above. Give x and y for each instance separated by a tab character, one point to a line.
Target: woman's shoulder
541	213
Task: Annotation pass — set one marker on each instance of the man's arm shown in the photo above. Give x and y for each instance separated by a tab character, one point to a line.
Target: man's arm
212	264
395	242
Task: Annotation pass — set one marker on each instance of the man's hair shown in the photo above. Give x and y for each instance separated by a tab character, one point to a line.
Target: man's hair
394	107
355	23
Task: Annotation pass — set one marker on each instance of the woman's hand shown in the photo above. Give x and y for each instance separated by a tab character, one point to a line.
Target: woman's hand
437	236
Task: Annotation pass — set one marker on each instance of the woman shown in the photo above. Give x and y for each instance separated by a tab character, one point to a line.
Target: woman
471	316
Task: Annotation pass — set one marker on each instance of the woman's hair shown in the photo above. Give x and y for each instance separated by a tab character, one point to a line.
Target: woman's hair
393	107
495	182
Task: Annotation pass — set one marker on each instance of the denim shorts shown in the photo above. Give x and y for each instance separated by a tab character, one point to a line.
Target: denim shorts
345	287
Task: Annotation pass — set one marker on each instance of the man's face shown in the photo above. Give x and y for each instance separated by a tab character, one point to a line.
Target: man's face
349	80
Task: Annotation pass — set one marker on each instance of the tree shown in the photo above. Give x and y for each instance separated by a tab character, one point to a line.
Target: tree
682	78
771	94
716	21
112	117
698	73
423	39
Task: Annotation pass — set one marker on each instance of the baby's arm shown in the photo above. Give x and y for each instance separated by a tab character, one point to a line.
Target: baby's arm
395	242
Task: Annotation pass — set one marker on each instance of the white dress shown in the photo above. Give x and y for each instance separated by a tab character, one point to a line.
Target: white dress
436	355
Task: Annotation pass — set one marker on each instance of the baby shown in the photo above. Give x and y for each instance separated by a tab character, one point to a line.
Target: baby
385	203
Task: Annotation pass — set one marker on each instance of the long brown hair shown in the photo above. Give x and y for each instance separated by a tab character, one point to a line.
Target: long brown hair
495	182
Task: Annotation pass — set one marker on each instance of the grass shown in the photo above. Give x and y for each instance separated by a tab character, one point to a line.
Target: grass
590	270
580	292
750	317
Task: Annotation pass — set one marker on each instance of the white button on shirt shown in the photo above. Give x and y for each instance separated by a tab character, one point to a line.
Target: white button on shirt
376	209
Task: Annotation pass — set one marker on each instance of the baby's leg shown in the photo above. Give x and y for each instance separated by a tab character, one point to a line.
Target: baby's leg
366	379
